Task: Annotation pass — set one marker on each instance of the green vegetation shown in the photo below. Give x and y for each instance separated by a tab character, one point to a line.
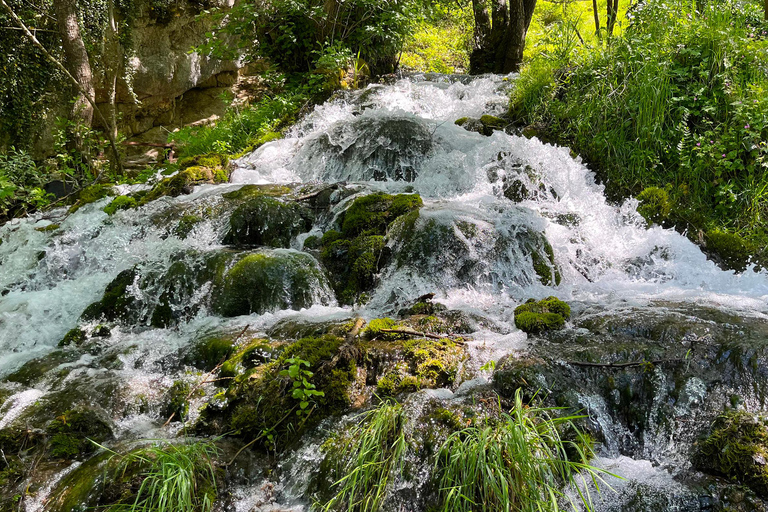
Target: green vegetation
677	103
120	203
372	455
519	462
737	442
441	40
72	433
355	254
174	478
545	315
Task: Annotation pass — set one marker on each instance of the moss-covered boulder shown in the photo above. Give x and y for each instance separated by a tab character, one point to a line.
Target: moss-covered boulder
91	194
73	434
184	181
356	253
117	303
209	352
270	280
730	250
655	205
260	401
545	315
217	161
486	125
268	221
75	336
736	448
120	203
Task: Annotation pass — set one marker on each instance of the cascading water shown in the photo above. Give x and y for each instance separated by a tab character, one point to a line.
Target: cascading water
504	219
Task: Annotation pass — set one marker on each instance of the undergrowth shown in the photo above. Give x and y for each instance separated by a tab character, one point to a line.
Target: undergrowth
678	102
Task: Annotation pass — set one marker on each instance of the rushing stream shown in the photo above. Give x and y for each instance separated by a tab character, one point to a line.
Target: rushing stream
491	203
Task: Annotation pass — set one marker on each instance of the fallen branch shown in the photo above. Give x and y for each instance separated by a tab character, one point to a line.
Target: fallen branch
623	365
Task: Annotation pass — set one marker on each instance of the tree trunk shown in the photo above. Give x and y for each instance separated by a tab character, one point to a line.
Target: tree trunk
113	59
76	58
612	15
498	42
597	18
765	6
482	32
520	16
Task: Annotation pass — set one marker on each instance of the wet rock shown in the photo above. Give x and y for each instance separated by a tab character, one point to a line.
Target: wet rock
265	220
74	433
120	203
117	304
271	280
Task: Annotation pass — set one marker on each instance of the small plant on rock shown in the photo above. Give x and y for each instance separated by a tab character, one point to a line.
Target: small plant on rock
303	390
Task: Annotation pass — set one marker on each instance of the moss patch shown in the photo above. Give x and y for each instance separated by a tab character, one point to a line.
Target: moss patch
729	249
75	336
545	315
72	432
655	205
356	253
737	447
90	195
184	181
117	302
120	203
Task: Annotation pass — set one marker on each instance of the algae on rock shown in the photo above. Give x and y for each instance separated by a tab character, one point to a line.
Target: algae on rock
545	315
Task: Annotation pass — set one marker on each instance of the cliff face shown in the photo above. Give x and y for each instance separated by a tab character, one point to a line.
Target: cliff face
163	84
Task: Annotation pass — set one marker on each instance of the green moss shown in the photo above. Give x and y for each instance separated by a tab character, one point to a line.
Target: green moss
312	242
375	326
268	281
177	403
72	433
91	194
120	203
544	264
731	249
461	121
182	183
546	315
357	253
738	441
74	336
655	205
492	122
373	213
209	352
117	302
210	160
47	229
186	224
252	191
434	362
265	220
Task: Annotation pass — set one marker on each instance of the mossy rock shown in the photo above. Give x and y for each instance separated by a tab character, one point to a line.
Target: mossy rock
72	435
729	249
209	352
210	160
74	336
736	447
655	205
271	280
260	399
267	221
186	224
356	253
492	122
117	303
90	195
543	260
184	181
253	191
177	401
545	315
120	203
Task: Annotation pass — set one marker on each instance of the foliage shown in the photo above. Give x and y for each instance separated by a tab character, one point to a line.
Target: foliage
303	390
174	478
441	40
297	34
374	455
519	462
678	102
20	184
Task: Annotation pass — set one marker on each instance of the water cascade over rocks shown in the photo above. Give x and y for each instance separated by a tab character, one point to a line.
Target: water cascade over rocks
376	206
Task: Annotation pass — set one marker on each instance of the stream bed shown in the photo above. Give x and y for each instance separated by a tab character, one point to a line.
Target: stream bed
377	206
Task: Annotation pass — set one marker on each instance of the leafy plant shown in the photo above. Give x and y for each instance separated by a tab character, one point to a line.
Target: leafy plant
519	463
303	390
374	454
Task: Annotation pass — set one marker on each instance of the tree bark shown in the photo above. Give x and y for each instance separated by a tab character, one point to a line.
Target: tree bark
520	16
482	33
597	18
113	60
503	51
76	59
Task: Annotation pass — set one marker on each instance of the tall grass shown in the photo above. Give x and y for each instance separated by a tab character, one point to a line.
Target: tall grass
519	464
174	478
375	450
